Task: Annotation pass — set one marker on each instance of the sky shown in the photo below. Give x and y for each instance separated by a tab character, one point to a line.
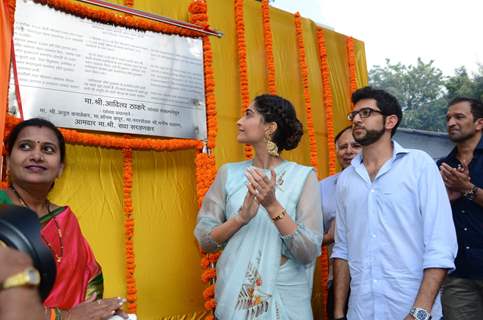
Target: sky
446	31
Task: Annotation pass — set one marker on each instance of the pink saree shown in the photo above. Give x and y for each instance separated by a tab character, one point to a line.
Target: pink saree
78	273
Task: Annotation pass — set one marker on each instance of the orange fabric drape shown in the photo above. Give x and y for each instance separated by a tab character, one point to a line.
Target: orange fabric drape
6	21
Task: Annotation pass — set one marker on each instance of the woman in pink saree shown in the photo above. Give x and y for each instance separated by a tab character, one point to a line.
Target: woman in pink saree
35	158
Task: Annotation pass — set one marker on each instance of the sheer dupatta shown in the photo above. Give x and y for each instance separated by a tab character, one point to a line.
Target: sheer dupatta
248	269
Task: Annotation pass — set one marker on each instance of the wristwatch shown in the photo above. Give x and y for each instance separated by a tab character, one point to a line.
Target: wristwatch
420	314
28	277
470	195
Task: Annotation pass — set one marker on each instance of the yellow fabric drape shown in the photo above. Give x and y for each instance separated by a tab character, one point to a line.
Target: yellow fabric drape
164	198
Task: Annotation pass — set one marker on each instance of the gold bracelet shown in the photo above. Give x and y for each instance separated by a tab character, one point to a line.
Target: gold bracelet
280	216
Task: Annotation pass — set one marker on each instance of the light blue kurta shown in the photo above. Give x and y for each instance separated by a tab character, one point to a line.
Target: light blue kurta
251	283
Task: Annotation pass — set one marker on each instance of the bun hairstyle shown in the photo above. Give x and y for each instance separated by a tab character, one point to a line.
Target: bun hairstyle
281	111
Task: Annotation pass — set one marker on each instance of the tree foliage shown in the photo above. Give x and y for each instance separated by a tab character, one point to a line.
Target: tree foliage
424	91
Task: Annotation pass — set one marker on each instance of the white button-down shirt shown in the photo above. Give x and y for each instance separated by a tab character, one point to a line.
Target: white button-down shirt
390	230
327	195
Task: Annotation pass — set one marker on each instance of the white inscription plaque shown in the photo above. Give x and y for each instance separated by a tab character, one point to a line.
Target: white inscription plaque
87	75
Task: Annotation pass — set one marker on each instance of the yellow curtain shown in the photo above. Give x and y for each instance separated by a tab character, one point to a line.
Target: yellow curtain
164	196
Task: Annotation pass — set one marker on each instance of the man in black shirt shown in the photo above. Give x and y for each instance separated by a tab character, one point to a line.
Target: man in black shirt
462	172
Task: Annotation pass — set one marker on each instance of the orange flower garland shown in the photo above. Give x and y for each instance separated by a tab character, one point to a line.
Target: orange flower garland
351	57
119	142
199	16
111	17
209	292
243	68
131	290
328	101
329	118
205	174
129	3
267	36
205	160
305	78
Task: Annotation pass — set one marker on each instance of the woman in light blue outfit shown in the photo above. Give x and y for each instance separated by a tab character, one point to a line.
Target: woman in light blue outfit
266	215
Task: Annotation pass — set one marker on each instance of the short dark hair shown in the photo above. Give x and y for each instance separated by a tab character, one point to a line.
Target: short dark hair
35	122
476	106
276	109
385	101
341	132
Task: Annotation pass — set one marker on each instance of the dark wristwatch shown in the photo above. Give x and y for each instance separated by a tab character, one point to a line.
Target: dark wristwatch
470	195
343	318
420	314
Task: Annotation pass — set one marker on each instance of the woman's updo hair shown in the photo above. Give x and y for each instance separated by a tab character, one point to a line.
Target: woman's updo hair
281	111
35	122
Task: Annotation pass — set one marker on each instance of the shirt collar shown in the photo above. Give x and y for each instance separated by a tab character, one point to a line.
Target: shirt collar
397	151
452	154
480	144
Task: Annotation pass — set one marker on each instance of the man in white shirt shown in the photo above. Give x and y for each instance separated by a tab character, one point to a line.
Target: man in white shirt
395	239
346	149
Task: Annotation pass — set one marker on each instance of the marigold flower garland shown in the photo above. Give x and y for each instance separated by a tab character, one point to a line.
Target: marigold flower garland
329	119
328	101
314	160
205	159
243	68
199	16
110	17
118	142
129	3
267	37
205	174
351	57
131	289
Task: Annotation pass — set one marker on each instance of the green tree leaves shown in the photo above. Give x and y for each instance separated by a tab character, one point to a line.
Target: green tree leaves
424	91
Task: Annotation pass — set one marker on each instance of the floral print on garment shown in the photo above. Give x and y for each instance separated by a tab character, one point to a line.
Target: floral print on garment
251	298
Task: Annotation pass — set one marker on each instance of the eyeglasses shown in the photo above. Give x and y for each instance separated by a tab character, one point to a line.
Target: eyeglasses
363	113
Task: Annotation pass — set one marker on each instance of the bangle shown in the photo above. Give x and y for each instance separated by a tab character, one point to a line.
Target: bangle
280	216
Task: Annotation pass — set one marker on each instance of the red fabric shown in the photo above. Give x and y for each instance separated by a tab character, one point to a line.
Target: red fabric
78	265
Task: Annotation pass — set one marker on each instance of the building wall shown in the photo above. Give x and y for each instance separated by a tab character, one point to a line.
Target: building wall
436	144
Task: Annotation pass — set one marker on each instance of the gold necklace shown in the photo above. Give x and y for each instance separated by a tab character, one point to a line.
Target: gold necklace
58	258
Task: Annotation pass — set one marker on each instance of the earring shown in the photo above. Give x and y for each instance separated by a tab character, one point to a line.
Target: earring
272	148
